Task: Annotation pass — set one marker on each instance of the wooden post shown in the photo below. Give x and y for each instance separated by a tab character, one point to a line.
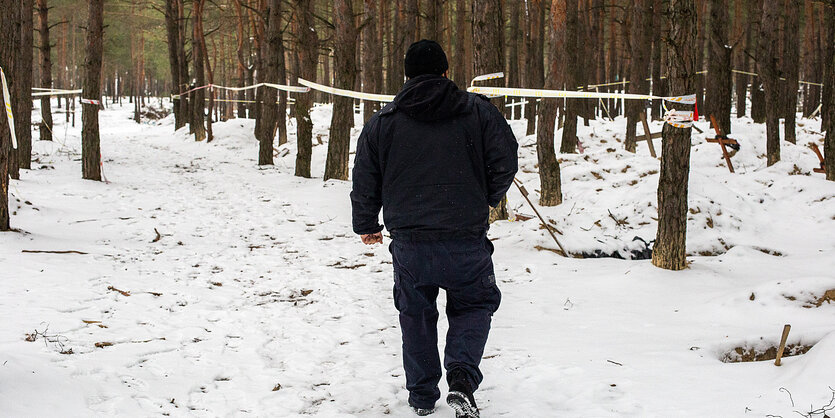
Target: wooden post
648	136
722	140
783	339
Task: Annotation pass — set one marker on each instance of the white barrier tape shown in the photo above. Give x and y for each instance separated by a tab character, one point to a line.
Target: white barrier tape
506	91
282	87
8	103
679	119
491	76
347	93
91	102
56	92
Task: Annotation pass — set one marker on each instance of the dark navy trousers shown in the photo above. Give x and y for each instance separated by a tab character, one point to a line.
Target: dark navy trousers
464	269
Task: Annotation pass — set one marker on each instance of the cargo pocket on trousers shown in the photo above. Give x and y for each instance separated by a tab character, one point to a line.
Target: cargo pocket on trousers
396	291
494	297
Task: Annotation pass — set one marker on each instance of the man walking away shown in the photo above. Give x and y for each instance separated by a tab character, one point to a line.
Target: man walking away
433	160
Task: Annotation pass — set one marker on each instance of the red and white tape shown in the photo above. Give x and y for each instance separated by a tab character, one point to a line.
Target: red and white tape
91	102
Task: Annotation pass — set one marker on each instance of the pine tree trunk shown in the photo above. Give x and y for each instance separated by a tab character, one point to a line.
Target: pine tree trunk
172	36
512	70
13	79
757	92
811	61
657	47
828	97
641	42
768	54
701	35
791	70
24	108
549	167
829	142
459	73
7	26
669	251
740	58
534	44
185	104
489	58
571	78
718	95
198	104
308	48
372	58
345	72
91	90
265	131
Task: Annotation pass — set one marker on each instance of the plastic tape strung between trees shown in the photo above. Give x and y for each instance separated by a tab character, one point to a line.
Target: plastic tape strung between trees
282	87
7	101
54	92
676	119
347	93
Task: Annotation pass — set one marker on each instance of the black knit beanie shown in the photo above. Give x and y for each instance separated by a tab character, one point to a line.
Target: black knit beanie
425	57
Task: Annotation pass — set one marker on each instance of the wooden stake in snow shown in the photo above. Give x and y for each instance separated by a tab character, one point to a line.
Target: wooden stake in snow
782	347
541	219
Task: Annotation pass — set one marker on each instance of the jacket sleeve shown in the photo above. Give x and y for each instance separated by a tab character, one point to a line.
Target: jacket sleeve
366	196
500	156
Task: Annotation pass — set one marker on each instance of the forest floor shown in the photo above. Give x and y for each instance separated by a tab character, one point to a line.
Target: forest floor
254	298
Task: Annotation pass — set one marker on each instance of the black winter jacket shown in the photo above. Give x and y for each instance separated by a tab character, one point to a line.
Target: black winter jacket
433	159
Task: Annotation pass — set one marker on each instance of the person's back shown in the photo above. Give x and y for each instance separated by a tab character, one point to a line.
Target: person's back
433	160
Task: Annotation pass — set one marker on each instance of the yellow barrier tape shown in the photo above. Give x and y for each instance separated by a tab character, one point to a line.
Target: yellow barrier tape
347	93
7	101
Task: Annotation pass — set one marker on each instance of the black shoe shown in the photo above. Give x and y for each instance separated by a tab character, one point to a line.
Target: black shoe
422	412
460	397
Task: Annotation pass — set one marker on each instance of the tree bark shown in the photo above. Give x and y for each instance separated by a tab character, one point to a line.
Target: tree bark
512	70
91	90
489	58
24	108
791	70
7	26
265	131
829	66
534	45
549	166
768	54
811	61
718	94
172	36
459	73
829	141
198	105
641	42
571	75
308	51
669	251
372	58
345	72
185	104
740	57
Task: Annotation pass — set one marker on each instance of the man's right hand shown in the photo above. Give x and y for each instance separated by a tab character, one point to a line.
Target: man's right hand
369	239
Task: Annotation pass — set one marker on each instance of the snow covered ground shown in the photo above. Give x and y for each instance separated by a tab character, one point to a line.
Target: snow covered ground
257	300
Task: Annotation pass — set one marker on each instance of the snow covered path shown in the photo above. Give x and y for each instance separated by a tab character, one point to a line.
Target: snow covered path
257	300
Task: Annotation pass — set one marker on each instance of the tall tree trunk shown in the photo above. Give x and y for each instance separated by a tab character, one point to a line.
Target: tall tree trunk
791	70
45	128
372	70
534	45
811	60
7	45
432	23
829	142
658	84
308	48
768	54
828	97
172	36
718	95
198	105
757	92
459	73
185	104
489	57
549	167
281	120
571	80
91	90
701	35
265	133
345	71
211	91
740	57
512	70
24	108
669	251
641	42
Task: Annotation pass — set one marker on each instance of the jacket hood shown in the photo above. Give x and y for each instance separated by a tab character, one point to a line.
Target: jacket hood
431	97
